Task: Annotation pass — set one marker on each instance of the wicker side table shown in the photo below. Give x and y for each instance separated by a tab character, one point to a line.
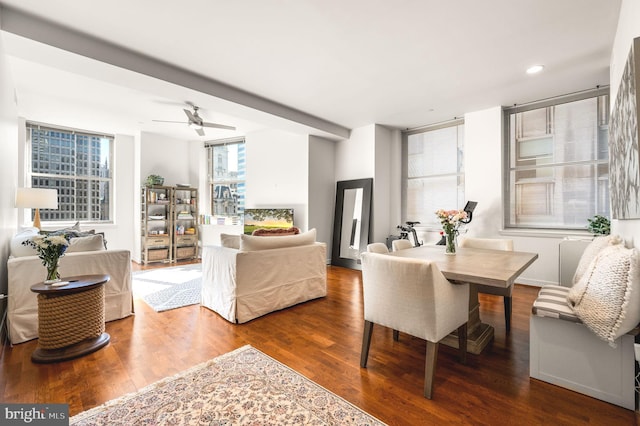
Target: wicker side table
70	318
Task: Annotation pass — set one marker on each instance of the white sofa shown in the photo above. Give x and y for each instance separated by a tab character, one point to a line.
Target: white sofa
262	275
566	352
23	272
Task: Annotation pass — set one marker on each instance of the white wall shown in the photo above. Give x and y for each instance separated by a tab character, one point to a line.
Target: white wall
165	156
277	172
8	168
355	157
628	29
322	189
381	213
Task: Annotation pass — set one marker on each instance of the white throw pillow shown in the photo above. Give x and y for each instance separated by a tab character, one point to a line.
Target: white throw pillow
230	241
93	242
20	250
591	251
610	302
253	243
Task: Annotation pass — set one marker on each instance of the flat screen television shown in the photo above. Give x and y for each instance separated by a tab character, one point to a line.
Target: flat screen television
267	219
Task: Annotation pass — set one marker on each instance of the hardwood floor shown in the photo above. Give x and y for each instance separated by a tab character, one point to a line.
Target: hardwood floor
320	339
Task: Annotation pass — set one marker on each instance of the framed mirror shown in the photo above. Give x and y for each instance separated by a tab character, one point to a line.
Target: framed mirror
351	222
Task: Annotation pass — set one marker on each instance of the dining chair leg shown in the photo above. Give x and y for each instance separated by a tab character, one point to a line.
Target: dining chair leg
430	368
462	343
396	335
507	312
366	343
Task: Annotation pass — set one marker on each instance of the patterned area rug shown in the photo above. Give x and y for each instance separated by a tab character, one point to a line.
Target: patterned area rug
169	288
243	387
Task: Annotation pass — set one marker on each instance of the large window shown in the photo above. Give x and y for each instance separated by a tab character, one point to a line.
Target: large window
226	161
76	163
557	157
433	171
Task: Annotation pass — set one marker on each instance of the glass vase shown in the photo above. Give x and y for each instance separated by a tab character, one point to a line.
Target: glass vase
450	243
52	273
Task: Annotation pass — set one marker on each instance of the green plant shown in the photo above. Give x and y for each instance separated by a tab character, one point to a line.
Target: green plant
154	180
599	225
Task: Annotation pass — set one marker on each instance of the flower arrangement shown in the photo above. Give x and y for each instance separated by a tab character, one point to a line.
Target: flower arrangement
451	220
50	249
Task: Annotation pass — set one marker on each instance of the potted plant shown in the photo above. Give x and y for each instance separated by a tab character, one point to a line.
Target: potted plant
599	225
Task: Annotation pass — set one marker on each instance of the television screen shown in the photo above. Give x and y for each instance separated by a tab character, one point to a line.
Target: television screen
267	219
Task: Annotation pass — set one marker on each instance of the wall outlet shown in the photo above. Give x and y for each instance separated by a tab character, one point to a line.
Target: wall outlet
636	348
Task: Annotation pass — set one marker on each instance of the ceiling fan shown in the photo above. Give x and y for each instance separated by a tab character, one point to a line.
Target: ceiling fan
195	120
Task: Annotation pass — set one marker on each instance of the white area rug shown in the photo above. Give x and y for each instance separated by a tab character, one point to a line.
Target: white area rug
169	288
243	387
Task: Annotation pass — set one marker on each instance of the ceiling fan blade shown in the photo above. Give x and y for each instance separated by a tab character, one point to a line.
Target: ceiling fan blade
169	121
217	126
200	131
192	118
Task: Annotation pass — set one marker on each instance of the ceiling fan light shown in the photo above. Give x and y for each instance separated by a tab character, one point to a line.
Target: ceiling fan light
534	69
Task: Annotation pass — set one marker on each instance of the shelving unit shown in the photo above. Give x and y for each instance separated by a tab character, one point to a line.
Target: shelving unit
185	223
157	229
169	223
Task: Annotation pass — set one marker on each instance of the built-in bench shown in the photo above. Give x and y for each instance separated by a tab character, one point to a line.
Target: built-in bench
567	353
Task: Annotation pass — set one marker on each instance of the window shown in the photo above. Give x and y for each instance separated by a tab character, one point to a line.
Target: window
433	171
76	163
558	162
226	164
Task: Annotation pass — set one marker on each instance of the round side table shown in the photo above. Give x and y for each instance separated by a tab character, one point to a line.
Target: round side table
70	318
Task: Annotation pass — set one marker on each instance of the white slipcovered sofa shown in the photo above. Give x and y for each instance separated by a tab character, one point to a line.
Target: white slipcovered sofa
582	333
250	276
85	256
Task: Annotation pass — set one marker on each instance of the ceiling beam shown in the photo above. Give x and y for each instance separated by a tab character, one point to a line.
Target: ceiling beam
44	31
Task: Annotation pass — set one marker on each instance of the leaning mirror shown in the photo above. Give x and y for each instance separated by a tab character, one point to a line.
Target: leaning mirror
351	222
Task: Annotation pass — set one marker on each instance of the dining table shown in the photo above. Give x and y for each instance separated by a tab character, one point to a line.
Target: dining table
497	268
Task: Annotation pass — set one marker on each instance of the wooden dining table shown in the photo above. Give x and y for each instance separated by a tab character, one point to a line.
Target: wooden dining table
474	266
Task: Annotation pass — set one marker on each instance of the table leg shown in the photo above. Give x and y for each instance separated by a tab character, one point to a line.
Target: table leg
478	334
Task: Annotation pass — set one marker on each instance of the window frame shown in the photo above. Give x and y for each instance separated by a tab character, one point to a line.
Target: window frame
30	175
212	182
405	169
506	154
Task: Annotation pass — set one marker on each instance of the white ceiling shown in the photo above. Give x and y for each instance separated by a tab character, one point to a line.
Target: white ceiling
400	63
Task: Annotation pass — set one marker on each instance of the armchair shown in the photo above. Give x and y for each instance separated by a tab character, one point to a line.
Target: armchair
412	296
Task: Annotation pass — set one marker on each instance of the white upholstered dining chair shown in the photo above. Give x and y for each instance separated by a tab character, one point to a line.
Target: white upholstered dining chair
377	248
412	296
494	244
401	244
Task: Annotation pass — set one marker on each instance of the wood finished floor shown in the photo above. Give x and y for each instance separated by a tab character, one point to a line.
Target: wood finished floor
320	339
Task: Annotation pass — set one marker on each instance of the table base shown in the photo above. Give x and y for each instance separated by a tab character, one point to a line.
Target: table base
477	339
479	334
87	346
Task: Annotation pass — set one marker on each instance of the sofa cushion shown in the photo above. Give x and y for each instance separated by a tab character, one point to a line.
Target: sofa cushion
607	298
230	241
18	249
253	243
92	242
596	246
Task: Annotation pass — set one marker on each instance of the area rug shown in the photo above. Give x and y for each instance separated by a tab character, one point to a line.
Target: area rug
243	387
169	288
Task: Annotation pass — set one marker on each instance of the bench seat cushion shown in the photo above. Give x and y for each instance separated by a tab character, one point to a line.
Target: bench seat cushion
552	303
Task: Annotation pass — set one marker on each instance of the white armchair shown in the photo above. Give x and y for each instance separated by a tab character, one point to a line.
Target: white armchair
377	248
412	296
506	293
401	244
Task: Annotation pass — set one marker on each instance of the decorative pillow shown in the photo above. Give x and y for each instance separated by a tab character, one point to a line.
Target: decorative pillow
230	241
253	243
610	303
596	246
93	242
276	232
20	250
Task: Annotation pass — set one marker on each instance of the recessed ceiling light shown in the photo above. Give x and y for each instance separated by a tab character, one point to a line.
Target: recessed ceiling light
535	69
